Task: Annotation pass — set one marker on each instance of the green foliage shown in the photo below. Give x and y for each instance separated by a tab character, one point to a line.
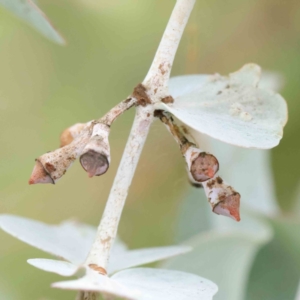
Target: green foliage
45	88
28	11
224	257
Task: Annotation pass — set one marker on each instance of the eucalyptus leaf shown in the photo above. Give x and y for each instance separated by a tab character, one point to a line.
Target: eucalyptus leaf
28	11
278	265
274	274
118	261
287	230
145	284
232	109
59	267
156	284
95	282
298	293
133	258
72	241
194	214
224	256
59	240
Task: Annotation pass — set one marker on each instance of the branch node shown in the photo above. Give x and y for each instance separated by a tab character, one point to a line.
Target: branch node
167	100
140	94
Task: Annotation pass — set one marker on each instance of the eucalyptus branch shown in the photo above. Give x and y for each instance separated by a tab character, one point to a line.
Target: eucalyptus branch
223	107
160	70
90	141
71	133
200	164
107	230
154	88
115	112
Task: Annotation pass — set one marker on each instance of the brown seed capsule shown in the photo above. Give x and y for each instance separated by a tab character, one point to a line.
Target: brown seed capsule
95	157
229	207
53	165
69	134
202	165
39	175
223	199
94	163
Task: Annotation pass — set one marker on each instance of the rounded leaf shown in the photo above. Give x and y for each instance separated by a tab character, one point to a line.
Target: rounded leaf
157	284
232	109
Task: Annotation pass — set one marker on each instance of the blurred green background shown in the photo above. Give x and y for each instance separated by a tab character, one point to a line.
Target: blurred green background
45	88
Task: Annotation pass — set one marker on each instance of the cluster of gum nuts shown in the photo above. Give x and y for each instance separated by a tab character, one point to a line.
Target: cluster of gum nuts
89	141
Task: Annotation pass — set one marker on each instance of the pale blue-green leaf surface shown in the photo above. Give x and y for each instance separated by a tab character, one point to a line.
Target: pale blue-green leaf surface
59	240
28	11
132	258
224	256
145	284
60	267
72	242
194	214
233	109
276	271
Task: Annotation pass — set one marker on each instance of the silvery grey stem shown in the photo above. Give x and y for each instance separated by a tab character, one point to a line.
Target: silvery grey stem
107	230
156	84
160	70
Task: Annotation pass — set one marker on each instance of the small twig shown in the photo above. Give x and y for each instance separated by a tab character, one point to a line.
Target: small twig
174	129
115	112
200	164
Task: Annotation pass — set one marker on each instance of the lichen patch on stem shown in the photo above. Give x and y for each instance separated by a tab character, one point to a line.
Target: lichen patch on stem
140	94
98	269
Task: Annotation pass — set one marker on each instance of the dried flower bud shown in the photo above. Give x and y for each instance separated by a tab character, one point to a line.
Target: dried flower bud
53	165
39	175
71	133
95	158
223	198
201	165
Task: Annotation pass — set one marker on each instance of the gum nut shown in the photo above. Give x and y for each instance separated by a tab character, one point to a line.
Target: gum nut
204	167
230	207
94	163
39	175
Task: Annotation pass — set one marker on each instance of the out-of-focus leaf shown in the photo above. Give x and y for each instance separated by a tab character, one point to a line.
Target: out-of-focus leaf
133	258
233	109
275	273
224	256
298	293
155	284
93	281
118	261
287	230
73	240
59	267
28	11
194	214
145	284
60	240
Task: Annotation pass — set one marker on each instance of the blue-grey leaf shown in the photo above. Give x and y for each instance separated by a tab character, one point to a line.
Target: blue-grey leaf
28	11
